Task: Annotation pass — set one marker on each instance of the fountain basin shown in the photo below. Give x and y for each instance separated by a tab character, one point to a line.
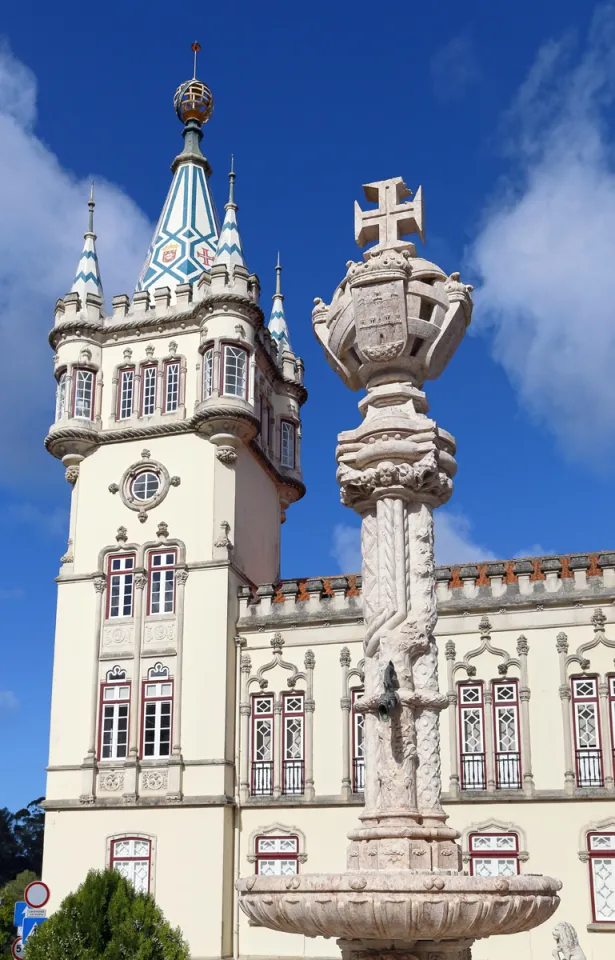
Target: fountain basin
399	905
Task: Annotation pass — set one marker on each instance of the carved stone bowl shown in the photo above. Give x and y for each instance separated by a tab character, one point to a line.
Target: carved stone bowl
399	905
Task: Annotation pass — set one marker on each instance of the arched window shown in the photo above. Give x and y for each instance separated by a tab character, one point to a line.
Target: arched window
234	371
132	857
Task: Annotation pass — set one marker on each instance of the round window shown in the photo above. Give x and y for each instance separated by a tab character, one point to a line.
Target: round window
145	485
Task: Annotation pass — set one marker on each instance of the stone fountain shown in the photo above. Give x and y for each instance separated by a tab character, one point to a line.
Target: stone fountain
393	323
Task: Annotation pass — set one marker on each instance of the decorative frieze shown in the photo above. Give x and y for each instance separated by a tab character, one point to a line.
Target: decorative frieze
111	781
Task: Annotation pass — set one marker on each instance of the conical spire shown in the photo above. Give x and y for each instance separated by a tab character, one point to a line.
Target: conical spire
230	251
87	279
278	328
185	239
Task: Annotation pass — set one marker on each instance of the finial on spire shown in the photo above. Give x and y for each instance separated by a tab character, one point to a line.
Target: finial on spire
196	46
230	251
277	326
231	185
87	279
91	205
278	277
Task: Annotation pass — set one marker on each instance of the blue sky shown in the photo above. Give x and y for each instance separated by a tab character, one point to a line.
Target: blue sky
505	116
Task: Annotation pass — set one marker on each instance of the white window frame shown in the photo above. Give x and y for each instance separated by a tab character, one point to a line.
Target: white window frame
157	704
293	767
114	706
358	744
601	850
277	856
149	389
126	393
83	400
131	859
261	780
172	377
208	372
507	762
61	395
470	780
589	763
161	587
121	578
234	371
288	439
494	854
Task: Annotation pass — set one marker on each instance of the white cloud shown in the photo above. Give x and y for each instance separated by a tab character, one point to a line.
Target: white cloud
454	543
43	214
454	68
546	249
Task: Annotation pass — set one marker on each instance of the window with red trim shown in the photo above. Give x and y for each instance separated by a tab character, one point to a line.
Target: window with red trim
208	372
126	393
601	850
171	386
157	713
83	393
149	379
472	735
114	716
293	734
358	744
277	856
262	745
586	724
120	595
287	444
506	734
132	857
161	592
234	371
611	686
494	854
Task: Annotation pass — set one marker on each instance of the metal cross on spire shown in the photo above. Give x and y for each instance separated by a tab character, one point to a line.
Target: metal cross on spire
393	219
196	46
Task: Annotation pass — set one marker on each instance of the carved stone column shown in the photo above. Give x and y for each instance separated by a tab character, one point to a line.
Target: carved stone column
131	773
346	705
310	705
88	788
524	697
605	723
566	697
245	713
277	748
453	738
489	745
174	786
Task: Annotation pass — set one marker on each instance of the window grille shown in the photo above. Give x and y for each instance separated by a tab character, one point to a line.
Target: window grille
262	746
601	849
494	854
121	586
586	723
358	745
506	722
127	386
157	718
61	396
171	386
208	373
132	857
287	444
293	726
114	710
472	736
84	394
162	582
234	381
148	402
277	856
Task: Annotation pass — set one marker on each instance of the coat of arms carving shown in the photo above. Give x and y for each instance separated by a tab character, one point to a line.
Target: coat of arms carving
380	320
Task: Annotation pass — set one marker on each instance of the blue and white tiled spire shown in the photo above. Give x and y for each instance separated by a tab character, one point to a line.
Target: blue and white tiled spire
87	279
230	251
277	326
185	240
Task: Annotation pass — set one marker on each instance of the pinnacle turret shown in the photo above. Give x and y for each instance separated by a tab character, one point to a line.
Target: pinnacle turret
278	328
230	252
87	279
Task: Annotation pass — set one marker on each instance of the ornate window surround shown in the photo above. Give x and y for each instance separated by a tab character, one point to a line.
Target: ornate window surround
245	710
281	830
507	662
130	363
348	674
110	839
69	369
566	662
493	826
595	826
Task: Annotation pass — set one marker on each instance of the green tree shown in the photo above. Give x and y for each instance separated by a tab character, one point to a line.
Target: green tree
10	893
106	919
28	828
10	864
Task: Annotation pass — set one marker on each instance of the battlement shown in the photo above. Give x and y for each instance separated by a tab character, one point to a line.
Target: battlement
570	578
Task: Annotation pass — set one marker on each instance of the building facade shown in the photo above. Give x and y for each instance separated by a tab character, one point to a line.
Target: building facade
202	714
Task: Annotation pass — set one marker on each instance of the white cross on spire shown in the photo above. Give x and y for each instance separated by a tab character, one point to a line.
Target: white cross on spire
393	219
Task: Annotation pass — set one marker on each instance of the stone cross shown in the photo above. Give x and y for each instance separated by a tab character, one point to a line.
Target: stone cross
393	219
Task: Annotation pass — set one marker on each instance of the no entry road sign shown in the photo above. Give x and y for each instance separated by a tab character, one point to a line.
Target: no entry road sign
17	949
36	894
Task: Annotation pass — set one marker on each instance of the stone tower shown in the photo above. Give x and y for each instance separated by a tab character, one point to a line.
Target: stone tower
178	425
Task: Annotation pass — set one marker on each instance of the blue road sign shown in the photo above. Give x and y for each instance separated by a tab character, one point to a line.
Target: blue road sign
30	924
20	908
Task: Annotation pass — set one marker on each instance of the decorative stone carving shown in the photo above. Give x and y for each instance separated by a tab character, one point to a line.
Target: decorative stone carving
121	535
112	781
566	943
154	780
113	487
162	530
226	454
115	635
69	556
224	540
159	633
72	475
99	584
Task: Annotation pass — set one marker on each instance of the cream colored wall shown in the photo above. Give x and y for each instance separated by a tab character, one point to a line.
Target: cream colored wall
257	520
